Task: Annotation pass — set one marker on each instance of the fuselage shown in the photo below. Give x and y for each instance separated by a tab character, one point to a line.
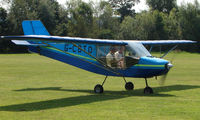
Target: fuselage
137	61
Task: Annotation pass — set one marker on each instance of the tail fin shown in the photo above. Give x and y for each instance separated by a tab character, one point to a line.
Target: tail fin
34	27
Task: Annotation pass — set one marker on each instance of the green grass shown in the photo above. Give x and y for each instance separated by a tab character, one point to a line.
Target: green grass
33	87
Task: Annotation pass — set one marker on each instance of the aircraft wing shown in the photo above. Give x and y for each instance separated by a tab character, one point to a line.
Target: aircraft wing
22	40
58	39
166	42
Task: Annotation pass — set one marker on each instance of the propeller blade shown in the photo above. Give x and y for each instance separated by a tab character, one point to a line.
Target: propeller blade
163	79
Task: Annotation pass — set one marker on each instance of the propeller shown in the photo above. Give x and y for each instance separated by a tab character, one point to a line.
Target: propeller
168	66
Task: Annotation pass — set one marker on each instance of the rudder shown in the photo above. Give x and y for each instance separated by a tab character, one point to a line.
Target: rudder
34	27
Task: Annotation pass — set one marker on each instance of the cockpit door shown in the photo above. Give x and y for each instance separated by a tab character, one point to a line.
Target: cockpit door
130	57
112	56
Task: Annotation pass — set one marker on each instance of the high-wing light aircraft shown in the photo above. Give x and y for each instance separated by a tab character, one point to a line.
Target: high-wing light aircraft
107	57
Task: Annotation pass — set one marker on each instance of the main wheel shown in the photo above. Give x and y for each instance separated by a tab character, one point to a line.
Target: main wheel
98	88
148	90
129	86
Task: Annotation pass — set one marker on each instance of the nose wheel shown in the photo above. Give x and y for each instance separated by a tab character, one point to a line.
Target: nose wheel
148	90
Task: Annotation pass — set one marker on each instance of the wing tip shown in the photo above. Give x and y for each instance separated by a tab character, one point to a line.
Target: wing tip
2	37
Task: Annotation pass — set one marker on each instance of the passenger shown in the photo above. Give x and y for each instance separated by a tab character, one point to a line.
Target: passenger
110	58
119	56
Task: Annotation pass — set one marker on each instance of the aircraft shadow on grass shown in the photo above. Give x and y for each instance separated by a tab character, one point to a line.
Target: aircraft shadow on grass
72	101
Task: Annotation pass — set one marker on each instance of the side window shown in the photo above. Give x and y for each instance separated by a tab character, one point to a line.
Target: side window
130	52
130	57
112	56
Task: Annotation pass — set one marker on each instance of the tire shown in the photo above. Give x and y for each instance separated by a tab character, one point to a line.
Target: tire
129	86
148	90
98	88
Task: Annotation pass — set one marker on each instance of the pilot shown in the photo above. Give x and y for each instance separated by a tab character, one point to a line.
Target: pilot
119	56
110	58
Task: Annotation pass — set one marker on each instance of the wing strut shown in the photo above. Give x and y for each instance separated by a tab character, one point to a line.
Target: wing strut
151	49
169	51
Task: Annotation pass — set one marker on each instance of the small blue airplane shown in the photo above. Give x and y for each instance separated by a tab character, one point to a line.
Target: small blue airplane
106	57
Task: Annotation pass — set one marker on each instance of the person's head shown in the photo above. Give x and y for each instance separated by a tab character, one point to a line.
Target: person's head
122	49
112	49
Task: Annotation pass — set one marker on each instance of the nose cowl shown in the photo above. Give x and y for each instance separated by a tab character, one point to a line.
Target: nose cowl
168	66
160	66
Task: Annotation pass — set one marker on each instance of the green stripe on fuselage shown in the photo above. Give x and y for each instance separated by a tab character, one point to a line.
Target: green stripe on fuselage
138	65
144	65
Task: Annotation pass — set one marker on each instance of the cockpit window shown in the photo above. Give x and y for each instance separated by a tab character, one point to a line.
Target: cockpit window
136	49
121	57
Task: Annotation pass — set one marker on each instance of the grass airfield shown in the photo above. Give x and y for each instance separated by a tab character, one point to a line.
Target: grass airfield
34	87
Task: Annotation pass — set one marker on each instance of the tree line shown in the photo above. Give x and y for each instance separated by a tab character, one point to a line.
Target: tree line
111	19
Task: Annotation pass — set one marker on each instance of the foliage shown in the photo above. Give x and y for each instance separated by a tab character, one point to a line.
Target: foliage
172	25
81	19
162	5
145	26
3	21
124	7
189	17
108	24
105	34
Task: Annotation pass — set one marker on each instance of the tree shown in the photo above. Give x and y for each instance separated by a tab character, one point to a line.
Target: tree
159	26
81	19
108	24
3	29
127	27
145	26
189	17
142	27
172	25
3	21
162	5
124	7
62	21
44	10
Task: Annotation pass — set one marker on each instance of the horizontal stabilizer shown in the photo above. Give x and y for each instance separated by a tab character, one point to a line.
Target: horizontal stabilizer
23	42
17	42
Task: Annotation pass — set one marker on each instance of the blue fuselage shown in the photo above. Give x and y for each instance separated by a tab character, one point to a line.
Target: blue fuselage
67	53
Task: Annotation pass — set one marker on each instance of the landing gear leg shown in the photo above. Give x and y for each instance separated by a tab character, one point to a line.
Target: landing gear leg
99	88
147	89
128	85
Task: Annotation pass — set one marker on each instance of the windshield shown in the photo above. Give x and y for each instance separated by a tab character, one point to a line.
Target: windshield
136	49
